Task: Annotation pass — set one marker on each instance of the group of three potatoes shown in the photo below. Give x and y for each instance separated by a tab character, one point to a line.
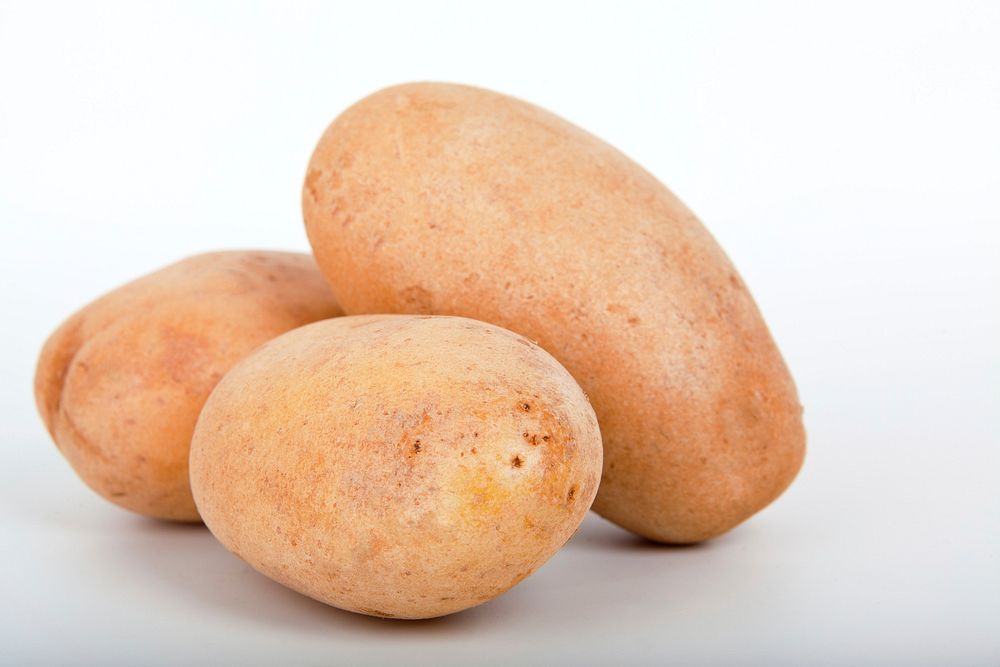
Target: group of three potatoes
427	451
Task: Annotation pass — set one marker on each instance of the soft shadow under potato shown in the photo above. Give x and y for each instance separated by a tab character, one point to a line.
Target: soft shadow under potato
185	560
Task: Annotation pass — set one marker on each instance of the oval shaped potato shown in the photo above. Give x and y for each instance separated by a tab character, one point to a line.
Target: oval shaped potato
445	199
121	382
396	466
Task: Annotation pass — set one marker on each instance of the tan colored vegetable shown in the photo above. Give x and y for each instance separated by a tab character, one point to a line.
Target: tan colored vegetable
396	466
120	383
445	199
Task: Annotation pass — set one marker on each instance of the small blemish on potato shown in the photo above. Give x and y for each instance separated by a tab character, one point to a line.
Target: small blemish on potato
346	160
375	612
526	406
416	447
517	461
312	180
417	298
571	495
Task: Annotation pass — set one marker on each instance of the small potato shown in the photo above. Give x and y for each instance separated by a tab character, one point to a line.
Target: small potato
120	383
397	466
439	199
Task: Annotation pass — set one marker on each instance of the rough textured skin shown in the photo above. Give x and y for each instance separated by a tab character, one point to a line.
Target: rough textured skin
396	466
121	382
445	199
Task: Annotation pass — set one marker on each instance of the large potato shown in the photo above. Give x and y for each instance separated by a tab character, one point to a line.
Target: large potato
396	466
445	199
120	383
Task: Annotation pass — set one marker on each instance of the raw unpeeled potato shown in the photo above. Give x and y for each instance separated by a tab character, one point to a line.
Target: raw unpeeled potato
121	382
396	466
446	199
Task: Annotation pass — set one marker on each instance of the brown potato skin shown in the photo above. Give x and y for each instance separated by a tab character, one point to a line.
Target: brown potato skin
120	384
396	466
447	199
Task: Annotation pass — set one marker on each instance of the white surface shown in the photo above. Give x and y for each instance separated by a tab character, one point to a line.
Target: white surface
846	155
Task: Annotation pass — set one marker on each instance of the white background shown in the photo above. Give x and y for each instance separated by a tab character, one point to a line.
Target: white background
846	155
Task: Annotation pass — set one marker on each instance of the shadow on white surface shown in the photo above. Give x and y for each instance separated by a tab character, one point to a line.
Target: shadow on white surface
183	567
119	589
600	534
187	562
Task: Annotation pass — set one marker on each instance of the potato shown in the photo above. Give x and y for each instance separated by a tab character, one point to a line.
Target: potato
120	383
445	199
396	466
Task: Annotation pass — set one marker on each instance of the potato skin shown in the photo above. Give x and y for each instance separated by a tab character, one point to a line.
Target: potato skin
446	199
396	466
120	384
